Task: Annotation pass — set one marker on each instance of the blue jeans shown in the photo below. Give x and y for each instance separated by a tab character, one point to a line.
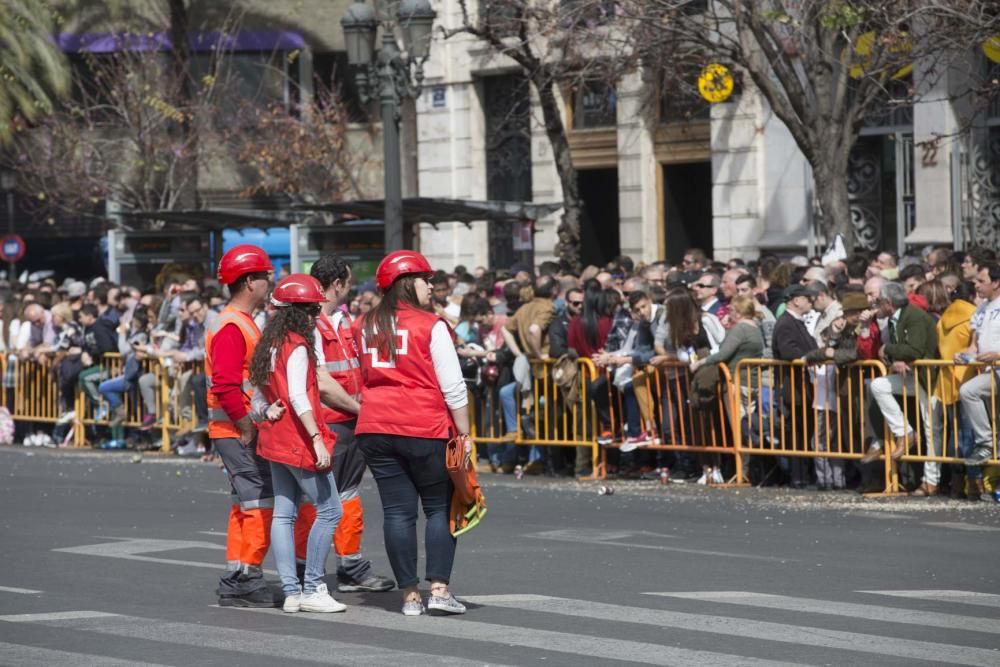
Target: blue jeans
508	453
112	391
290	484
408	471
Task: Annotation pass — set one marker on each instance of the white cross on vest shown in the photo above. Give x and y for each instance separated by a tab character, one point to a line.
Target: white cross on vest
402	342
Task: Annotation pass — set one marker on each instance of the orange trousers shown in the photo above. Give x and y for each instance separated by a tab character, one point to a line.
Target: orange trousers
248	536
347	538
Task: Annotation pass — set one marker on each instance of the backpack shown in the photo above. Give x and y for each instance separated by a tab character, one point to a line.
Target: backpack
566	375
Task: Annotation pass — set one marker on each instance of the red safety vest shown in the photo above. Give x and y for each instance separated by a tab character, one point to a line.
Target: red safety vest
287	440
402	397
219	424
342	363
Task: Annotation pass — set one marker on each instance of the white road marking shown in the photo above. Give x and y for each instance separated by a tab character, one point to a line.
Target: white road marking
962	597
614	540
54	616
214	533
848	609
742	627
285	646
17	655
22	591
544	640
957	525
135	549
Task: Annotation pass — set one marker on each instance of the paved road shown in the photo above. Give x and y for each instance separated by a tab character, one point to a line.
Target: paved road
108	562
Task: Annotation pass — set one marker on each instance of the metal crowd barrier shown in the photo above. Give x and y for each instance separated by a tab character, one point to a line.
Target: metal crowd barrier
35	398
932	406
549	421
663	397
814	411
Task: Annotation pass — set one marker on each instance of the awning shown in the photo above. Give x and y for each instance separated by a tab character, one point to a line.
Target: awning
415	210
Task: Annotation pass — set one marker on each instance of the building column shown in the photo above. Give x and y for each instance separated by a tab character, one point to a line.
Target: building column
638	217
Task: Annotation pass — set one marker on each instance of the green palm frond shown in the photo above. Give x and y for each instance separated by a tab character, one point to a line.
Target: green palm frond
33	71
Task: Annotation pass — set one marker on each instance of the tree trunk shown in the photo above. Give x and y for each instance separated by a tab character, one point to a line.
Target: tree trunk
830	177
568	232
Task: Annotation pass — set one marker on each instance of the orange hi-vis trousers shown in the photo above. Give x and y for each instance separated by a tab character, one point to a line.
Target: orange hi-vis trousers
248	536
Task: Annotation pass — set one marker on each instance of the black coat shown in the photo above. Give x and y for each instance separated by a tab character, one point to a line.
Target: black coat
792	339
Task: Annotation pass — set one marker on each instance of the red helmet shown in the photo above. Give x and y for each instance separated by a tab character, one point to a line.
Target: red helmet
398	264
298	288
240	261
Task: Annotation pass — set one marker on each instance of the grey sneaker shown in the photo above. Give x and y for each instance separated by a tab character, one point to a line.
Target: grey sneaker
373	583
448	605
413	608
980	455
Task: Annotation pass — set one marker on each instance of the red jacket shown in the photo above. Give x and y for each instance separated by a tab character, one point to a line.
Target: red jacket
342	363
287	440
868	347
402	397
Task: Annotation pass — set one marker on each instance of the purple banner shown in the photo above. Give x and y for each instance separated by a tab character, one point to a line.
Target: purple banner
244	40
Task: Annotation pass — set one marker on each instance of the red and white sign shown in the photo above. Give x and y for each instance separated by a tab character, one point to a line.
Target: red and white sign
12	248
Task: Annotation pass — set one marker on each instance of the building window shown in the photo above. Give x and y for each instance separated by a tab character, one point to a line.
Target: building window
594	105
334	80
501	16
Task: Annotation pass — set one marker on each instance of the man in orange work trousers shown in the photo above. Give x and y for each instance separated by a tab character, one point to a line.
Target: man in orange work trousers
338	355
247	271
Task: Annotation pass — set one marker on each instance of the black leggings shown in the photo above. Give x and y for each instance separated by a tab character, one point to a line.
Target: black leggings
408	469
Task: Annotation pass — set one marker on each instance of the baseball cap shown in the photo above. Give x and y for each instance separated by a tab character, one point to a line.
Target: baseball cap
852	301
799	290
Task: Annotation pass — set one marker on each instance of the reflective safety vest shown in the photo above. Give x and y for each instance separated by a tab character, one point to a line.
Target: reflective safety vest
341	354
287	440
402	396
219	424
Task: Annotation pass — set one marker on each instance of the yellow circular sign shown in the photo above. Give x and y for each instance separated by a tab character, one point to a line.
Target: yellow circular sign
716	83
991	47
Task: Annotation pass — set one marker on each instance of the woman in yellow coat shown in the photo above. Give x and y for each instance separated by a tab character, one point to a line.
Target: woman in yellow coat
954	335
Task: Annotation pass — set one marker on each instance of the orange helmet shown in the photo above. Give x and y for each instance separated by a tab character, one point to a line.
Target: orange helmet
240	261
298	288
398	264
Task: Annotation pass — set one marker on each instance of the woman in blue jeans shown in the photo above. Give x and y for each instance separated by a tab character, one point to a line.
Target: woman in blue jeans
413	400
295	441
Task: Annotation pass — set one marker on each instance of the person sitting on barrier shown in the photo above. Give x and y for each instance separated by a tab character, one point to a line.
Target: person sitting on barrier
62	323
36	331
525	335
133	346
979	394
626	366
912	336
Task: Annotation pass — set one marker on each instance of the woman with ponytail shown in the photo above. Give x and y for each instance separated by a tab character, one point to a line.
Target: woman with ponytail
413	401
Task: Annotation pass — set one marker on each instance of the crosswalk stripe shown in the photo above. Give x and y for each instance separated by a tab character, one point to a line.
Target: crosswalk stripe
22	591
284	646
545	640
963	597
851	610
17	655
53	616
751	629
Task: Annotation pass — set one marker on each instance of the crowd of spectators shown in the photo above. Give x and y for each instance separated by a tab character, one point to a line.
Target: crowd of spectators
635	322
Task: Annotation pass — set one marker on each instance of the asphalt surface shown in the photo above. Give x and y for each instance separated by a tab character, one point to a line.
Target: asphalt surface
111	562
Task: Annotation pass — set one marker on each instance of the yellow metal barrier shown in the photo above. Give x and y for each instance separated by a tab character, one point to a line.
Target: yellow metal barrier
36	392
811	411
663	395
553	421
936	426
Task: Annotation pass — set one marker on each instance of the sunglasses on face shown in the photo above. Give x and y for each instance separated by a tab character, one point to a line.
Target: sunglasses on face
576	304
703	286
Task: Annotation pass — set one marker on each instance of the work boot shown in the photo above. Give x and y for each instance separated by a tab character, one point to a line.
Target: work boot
247	589
956	489
372	583
976	489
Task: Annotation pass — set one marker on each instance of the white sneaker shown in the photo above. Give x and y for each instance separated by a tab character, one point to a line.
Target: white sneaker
717	477
703	480
320	601
293	603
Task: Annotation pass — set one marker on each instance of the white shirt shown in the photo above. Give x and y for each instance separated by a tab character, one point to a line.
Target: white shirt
447	367
986	324
298	373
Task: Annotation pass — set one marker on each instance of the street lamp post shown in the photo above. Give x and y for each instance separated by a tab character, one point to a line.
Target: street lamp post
390	78
8	181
